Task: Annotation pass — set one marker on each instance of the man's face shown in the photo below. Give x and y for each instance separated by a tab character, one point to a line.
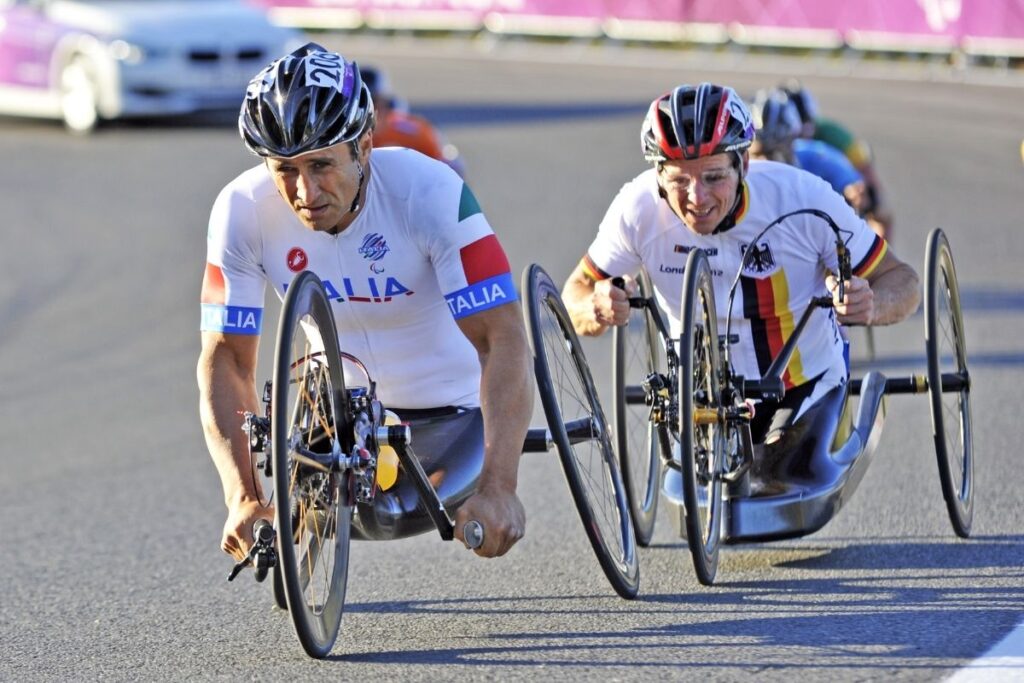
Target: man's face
700	191
319	186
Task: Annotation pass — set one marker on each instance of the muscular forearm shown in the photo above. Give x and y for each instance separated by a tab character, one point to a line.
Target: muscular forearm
897	294
225	393
578	296
506	400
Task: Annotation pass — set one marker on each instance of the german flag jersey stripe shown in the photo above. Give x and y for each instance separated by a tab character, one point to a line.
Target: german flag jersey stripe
771	323
874	256
592	271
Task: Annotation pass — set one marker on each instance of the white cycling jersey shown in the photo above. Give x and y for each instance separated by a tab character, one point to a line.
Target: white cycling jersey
419	256
787	268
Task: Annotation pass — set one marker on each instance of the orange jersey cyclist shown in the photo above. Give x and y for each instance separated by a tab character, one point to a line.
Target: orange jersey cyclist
397	127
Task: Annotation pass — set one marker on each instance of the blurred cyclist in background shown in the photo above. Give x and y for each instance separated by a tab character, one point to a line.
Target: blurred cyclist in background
397	127
777	128
856	150
777	137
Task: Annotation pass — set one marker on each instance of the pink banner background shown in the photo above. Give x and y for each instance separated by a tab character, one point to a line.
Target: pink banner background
949	19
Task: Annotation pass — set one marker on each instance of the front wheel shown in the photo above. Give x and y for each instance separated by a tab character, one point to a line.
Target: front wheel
310	428
702	432
636	356
949	383
580	432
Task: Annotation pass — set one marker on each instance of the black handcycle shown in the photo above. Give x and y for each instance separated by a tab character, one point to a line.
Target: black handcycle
682	418
319	450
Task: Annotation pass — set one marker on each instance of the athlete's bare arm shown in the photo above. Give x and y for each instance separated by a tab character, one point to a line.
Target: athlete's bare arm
227	388
594	306
506	400
891	293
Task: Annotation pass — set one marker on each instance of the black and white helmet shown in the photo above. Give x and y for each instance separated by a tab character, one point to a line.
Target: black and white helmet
307	100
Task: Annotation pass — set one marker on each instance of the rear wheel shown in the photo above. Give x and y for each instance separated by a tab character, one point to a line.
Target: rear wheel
580	432
702	432
949	383
310	428
637	354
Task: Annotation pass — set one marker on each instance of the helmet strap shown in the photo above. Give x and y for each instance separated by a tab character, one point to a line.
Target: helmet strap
359	190
730	218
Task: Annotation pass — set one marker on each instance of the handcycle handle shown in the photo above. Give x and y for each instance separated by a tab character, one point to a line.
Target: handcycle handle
770	387
263	531
263	538
473	532
634	301
399	437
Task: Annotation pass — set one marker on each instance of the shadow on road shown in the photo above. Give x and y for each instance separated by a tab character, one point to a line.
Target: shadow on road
894	606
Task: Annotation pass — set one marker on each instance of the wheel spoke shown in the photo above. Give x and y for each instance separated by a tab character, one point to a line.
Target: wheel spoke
575	404
569	398
952	403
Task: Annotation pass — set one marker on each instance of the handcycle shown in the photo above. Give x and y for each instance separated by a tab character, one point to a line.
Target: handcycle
682	418
319	451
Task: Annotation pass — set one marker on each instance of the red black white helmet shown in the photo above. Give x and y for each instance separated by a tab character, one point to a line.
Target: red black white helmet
696	121
306	100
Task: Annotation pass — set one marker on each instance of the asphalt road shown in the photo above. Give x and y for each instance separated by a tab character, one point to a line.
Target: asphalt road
111	509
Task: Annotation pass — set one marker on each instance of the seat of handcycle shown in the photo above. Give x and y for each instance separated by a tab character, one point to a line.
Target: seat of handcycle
816	473
449	444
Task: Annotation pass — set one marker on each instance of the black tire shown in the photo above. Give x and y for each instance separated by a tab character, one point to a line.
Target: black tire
949	383
703	446
636	354
280	599
314	512
570	400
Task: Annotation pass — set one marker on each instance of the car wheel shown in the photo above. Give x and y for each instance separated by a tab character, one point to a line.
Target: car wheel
78	98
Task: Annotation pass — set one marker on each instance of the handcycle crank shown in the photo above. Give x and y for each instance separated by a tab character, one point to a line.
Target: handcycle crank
262	556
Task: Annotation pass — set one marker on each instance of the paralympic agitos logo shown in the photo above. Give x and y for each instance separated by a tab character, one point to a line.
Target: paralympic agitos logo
374	248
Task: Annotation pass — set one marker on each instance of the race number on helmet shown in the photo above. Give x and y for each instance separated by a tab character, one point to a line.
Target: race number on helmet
307	100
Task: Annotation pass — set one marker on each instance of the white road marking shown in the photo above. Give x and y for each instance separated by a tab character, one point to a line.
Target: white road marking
1004	662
